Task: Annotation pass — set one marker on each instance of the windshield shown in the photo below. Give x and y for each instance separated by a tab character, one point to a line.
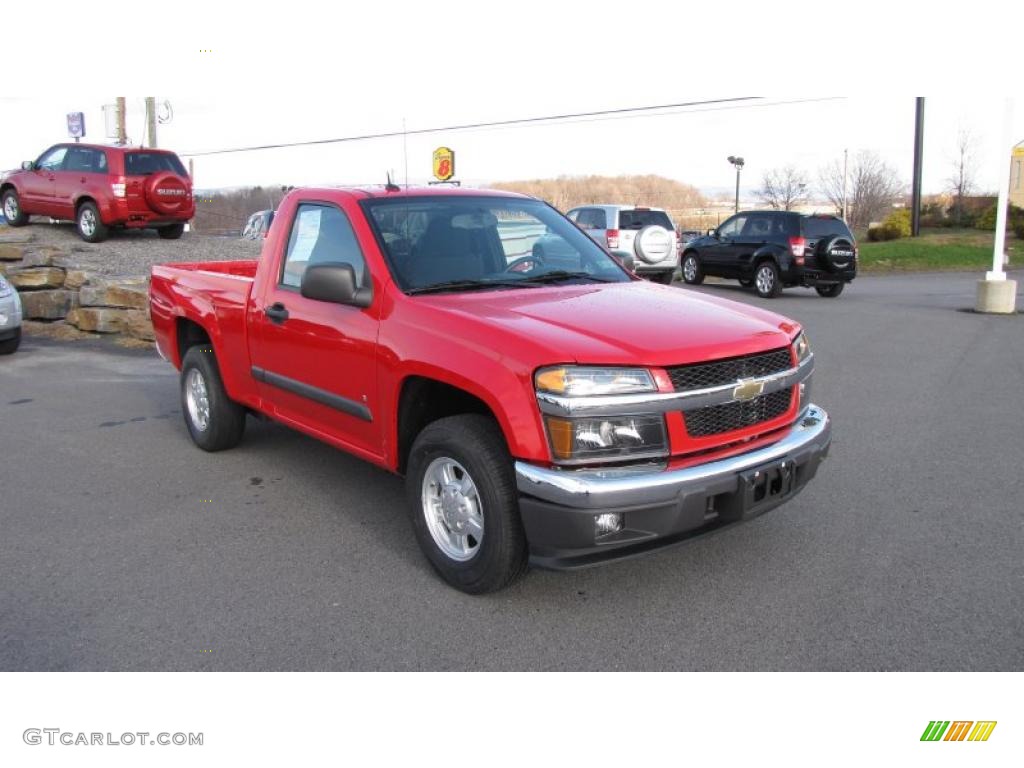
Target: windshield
472	243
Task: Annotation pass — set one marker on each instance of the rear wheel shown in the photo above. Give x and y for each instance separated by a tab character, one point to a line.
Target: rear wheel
463	503
90	227
767	282
172	232
829	291
10	346
693	272
214	420
15	216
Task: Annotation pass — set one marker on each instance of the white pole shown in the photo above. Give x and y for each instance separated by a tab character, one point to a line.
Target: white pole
999	246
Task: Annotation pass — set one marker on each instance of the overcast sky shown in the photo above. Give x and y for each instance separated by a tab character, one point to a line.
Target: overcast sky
688	145
326	70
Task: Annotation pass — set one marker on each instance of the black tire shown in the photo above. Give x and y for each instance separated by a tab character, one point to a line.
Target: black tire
476	444
663	278
696	276
89	225
225	419
767	280
746	282
172	231
20	218
829	291
10	346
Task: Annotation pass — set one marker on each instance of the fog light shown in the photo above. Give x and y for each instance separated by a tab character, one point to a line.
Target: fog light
609	522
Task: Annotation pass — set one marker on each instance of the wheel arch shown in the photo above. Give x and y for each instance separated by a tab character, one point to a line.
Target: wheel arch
422	400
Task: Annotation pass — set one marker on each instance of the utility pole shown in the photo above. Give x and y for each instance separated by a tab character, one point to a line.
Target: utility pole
122	134
151	121
846	205
738	163
915	214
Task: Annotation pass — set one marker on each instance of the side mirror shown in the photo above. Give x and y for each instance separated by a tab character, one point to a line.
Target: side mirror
334	282
28	165
713	233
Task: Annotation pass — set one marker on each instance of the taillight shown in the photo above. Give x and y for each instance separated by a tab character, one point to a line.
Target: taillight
613	238
118	187
796	247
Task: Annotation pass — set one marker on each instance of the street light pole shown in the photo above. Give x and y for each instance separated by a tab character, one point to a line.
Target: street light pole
738	162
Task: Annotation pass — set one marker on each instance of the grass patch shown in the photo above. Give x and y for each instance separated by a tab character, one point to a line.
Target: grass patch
938	249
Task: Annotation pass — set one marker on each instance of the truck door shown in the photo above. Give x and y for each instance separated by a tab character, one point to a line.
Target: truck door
314	361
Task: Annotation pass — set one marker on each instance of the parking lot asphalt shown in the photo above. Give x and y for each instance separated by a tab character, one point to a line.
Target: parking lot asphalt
123	547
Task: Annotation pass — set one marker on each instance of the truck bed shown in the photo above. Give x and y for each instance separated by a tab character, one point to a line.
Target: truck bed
210	294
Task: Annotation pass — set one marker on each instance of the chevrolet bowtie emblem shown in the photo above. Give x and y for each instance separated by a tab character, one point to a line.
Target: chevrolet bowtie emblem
748	390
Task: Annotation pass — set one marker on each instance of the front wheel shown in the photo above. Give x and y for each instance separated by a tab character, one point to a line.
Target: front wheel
10	346
89	225
172	232
13	212
693	272
463	503
829	291
214	420
767	282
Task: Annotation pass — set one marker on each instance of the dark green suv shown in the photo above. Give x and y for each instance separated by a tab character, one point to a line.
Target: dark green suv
772	250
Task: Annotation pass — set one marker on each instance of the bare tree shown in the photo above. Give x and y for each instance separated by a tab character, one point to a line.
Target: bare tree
872	187
783	188
961	182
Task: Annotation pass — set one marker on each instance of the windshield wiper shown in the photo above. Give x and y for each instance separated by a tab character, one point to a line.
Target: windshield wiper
468	285
561	274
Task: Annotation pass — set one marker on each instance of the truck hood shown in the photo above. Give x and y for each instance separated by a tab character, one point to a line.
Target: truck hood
636	323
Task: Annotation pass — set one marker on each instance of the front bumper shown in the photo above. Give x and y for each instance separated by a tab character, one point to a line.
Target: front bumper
660	506
10	315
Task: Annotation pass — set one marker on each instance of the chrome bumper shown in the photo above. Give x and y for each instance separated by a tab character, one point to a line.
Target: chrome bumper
808	438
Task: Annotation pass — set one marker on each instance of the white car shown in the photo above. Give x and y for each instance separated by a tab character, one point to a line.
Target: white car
645	235
10	318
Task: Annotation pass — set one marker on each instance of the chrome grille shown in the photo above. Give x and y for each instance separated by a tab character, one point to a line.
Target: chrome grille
717	419
702	375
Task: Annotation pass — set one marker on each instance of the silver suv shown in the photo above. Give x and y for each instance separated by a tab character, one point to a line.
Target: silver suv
645	235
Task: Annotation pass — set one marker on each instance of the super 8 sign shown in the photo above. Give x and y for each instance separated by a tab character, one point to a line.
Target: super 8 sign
444	163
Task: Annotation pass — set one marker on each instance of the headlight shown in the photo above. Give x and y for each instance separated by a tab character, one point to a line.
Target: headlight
579	381
802	347
606	438
5	288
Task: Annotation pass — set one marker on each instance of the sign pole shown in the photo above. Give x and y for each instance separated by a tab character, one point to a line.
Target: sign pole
995	293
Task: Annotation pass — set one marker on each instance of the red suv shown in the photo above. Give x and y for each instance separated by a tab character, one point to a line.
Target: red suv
99	187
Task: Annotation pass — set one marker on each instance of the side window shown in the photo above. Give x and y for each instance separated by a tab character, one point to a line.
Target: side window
732	227
592	218
84	160
757	226
320	233
53	160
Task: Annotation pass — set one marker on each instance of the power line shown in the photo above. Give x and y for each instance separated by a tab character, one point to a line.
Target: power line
471	126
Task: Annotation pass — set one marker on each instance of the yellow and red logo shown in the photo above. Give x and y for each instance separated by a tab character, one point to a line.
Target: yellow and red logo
444	163
958	730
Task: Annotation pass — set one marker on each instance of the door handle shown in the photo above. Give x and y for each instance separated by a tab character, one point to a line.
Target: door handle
276	312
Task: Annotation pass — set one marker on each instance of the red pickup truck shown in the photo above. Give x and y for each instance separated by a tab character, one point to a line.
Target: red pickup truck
546	409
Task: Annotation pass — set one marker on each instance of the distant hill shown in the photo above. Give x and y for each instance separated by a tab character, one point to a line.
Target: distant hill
567	192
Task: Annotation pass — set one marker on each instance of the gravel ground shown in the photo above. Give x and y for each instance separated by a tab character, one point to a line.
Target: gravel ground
133	252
